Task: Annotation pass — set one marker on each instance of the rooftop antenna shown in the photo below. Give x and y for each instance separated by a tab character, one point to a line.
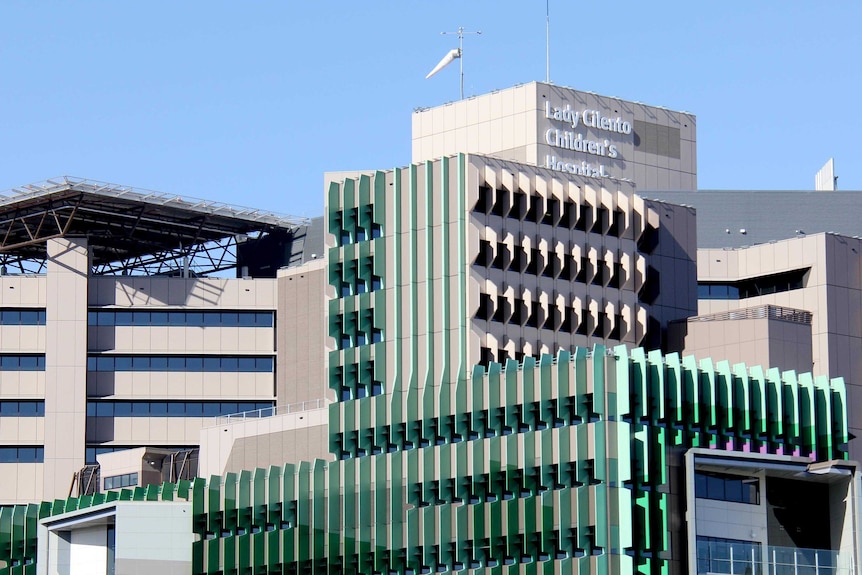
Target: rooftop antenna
547	41
453	54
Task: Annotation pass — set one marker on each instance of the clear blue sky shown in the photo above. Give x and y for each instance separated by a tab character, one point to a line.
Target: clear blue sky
250	102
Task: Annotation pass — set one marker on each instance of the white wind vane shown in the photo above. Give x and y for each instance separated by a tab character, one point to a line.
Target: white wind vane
454	54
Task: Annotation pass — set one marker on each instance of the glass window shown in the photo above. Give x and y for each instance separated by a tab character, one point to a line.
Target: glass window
229	364
28	408
229	319
28	363
124	318
194	364
246	364
27	455
9	317
158	363
9	363
158	409
105	318
141	318
247	319
141	363
159	318
176	318
228	408
29	317
194	409
263	319
194	319
104	409
8	408
123	409
104	363
176	409
266	408
140	408
122	364
212	319
211	409
176	364
212	364
263	364
91	409
8	455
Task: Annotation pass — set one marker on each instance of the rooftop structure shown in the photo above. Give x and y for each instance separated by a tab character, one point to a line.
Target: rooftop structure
130	230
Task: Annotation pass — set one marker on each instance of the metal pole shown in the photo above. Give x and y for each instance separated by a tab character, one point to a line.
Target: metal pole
461	34
547	41
461	56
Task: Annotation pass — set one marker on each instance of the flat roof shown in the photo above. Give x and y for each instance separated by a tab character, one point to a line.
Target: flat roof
743	218
120	222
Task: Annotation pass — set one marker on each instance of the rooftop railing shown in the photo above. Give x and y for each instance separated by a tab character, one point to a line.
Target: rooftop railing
758	312
269	412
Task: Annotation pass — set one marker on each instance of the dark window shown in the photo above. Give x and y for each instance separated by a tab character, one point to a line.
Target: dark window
723	487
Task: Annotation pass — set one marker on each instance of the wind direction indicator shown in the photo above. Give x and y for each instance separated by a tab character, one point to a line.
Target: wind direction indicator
454	54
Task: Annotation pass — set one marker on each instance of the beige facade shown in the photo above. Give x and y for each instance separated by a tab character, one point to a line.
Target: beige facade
87	408
769	336
820	274
580	133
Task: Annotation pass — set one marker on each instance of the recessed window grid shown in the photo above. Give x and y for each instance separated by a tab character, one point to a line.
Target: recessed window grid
524	313
355	225
178	408
22	408
118	481
22	317
356	381
24	362
354	329
549	211
22	454
551	264
163	318
356	277
215	364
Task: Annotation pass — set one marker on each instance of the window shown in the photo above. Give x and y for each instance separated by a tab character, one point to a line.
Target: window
176	408
161	318
22	408
213	363
723	487
119	481
22	454
28	362
753	287
22	317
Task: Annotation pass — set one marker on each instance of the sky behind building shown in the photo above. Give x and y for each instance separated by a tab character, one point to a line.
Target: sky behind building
250	103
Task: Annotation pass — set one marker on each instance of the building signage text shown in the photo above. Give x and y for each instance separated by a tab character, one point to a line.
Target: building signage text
575	141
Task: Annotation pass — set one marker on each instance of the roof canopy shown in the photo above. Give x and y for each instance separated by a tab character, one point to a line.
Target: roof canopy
124	226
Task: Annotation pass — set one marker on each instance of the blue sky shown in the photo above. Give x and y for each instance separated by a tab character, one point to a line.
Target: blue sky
250	102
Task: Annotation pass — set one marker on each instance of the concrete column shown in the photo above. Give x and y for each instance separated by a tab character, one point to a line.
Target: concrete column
65	363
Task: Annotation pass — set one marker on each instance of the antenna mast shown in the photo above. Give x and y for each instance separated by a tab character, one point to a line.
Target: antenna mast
547	41
460	34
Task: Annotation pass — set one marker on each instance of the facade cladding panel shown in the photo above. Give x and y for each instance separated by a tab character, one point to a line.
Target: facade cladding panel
564	463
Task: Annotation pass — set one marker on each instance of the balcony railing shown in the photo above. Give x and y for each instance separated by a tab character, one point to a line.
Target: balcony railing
730	558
